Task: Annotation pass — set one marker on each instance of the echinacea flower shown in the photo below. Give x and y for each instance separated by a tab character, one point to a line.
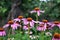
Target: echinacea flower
2	32
48	24
12	24
44	25
56	36
29	21
20	18
41	27
56	23
37	10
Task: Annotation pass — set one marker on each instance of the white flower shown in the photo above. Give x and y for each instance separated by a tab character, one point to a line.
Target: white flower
33	36
27	32
12	38
48	34
9	39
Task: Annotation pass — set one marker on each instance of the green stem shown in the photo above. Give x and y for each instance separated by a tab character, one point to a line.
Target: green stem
21	26
36	20
9	33
36	17
1	38
36	24
29	30
42	35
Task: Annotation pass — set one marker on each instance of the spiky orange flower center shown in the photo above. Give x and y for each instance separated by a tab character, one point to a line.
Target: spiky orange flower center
20	17
57	35
10	22
45	21
56	22
36	9
29	19
1	29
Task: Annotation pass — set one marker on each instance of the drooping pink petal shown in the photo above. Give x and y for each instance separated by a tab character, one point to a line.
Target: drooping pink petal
41	22
45	25
38	13
25	22
7	25
15	26
42	11
38	28
49	23
33	11
17	19
58	25
41	28
33	21
4	33
1	33
25	27
52	25
32	24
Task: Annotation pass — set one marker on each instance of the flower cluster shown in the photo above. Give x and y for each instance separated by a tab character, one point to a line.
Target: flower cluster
28	23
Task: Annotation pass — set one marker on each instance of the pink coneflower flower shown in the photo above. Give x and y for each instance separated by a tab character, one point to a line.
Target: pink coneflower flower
37	10
29	22
56	36
15	26
48	24
20	18
56	23
2	32
41	27
12	24
44	25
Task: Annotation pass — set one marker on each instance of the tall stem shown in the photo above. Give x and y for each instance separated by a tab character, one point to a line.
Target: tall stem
36	17
20	26
36	23
29	30
42	34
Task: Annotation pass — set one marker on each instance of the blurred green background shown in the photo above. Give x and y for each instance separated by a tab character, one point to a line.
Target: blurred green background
10	9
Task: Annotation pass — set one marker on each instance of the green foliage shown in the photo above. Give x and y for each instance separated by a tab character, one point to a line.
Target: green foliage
26	6
4	6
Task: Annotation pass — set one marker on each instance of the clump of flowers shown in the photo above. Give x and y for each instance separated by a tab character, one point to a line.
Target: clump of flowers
32	27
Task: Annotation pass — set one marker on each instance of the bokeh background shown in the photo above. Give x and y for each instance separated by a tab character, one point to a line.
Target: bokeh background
10	9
